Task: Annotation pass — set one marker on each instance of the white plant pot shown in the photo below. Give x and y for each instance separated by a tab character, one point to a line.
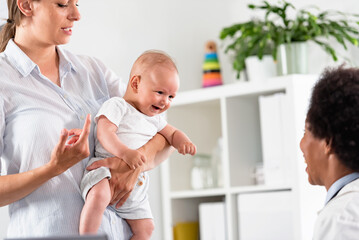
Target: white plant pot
260	70
292	58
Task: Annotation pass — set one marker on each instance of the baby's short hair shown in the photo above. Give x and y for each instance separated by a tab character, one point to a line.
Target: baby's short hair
151	58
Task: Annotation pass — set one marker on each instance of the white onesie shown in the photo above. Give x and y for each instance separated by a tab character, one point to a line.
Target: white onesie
134	130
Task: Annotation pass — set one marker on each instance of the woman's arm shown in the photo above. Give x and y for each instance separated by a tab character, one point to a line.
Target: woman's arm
107	136
17	186
156	150
123	178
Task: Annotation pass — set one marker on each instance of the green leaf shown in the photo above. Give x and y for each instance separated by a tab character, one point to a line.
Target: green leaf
328	49
262	36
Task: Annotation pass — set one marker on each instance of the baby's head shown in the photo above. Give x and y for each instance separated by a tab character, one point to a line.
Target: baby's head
153	83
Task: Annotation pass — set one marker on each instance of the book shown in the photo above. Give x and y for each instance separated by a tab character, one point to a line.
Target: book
272	122
212	221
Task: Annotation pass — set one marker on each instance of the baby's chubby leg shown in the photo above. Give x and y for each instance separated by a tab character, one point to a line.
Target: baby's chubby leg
98	198
141	228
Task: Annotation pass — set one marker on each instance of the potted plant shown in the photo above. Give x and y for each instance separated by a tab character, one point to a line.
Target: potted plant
256	37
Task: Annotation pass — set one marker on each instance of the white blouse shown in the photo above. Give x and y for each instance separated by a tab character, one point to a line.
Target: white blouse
33	111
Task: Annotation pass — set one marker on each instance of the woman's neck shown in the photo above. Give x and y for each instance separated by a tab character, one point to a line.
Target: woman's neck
45	56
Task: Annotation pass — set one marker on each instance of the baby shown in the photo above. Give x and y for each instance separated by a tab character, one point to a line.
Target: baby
124	125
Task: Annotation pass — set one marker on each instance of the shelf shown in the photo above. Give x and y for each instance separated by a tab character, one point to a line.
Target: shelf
222	192
186	209
204	130
233	113
197	193
235	89
258	188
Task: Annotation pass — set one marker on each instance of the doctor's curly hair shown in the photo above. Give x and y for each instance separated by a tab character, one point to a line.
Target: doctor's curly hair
333	113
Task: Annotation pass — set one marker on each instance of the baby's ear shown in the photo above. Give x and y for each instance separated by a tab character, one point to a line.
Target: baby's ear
135	82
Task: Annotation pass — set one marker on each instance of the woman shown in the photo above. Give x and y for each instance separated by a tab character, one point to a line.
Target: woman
46	90
330	148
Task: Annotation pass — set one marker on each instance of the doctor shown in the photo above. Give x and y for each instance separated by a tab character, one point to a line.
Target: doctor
331	150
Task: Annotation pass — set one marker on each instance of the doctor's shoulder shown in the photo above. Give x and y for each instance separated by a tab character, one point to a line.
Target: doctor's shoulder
339	219
344	207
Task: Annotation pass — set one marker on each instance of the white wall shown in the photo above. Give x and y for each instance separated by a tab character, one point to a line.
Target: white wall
118	31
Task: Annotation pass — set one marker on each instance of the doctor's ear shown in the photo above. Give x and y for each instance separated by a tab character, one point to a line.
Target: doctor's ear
328	146
135	82
25	6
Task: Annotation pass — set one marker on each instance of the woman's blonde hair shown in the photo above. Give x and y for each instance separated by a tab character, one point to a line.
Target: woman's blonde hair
8	30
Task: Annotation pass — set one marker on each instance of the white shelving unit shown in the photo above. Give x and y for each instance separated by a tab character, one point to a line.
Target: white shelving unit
232	112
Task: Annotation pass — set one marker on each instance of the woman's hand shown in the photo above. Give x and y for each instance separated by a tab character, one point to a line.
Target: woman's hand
65	155
123	178
16	186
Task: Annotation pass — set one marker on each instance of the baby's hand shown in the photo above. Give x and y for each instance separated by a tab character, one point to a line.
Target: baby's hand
187	148
133	158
